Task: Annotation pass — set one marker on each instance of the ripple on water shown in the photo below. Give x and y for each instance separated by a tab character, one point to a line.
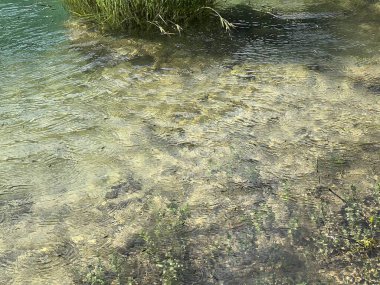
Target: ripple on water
7	266
14	189
225	138
122	197
57	215
43	262
14	205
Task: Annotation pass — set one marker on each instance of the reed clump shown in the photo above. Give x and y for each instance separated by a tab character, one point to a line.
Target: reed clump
168	16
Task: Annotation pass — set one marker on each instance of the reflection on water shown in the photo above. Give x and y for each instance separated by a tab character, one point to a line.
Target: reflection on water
231	142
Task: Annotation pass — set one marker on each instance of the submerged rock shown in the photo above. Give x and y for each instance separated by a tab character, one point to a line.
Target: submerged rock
316	67
113	194
142	60
374	86
371	84
129	186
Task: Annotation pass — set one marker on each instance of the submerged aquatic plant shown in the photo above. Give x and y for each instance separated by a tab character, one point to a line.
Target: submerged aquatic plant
350	237
166	15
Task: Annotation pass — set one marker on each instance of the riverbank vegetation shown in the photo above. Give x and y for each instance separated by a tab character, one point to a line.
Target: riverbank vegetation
168	16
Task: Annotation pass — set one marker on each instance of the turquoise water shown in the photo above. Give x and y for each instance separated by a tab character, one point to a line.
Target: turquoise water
101	136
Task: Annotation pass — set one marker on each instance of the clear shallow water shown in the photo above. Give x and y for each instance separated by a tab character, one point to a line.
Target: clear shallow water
98	135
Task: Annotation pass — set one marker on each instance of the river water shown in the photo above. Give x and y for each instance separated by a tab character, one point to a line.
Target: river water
211	148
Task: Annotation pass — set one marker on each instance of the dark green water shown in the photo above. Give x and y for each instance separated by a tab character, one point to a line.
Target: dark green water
102	139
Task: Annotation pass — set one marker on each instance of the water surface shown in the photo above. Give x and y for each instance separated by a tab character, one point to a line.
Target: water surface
101	135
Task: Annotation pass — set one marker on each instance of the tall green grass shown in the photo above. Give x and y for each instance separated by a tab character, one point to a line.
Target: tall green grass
168	16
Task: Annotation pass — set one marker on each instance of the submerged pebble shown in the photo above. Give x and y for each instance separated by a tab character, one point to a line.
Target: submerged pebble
129	186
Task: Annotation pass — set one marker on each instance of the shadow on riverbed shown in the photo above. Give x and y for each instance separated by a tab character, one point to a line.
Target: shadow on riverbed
257	36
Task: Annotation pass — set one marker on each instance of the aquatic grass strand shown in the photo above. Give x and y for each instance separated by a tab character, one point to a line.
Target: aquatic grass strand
167	15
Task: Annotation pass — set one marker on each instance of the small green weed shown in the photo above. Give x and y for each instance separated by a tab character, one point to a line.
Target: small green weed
165	242
350	237
96	275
